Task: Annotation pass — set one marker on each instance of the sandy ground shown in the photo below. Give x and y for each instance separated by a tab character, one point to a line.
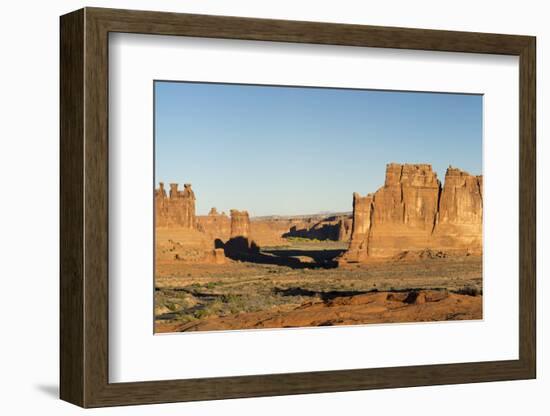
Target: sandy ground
242	295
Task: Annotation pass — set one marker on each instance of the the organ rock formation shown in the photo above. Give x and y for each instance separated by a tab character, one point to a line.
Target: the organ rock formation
460	217
412	212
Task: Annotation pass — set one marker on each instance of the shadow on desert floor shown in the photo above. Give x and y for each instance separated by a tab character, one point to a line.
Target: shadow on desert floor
240	248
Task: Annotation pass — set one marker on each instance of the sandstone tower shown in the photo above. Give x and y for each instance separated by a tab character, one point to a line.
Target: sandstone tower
345	226
240	224
413	212
217	225
460	221
362	214
177	209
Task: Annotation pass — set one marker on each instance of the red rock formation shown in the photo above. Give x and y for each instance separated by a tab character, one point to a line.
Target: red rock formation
411	212
461	201
216	225
240	246
176	210
240	224
345	226
274	230
405	210
179	238
176	244
269	232
362	214
460	212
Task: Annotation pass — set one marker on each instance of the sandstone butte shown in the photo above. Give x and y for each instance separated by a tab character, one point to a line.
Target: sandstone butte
411	212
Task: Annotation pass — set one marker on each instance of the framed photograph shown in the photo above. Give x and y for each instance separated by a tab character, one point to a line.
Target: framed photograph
254	207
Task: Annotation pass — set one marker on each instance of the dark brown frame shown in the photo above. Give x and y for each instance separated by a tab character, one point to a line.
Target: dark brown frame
84	207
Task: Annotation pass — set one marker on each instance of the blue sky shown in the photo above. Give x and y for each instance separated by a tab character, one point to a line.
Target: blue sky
292	150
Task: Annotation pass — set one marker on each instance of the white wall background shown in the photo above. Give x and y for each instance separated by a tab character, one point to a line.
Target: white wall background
29	159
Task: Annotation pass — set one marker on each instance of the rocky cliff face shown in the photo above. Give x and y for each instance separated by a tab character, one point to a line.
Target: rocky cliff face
361	226
460	212
240	224
345	226
412	212
216	225
334	227
404	210
177	235
177	209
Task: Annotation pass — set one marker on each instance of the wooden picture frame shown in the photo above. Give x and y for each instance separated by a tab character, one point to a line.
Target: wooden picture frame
84	207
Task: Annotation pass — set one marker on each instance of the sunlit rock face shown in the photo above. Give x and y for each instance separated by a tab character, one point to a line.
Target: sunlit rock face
460	222
216	225
412	212
240	224
361	225
176	209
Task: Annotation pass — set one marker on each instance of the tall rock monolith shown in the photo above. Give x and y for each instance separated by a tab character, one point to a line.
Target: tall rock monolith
460	221
412	212
177	209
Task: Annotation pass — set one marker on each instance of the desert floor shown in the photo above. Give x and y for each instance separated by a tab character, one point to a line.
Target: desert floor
306	291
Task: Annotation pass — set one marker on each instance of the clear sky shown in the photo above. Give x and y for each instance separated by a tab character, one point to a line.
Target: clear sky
291	150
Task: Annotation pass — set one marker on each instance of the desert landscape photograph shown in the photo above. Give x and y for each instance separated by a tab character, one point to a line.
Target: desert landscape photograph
291	207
